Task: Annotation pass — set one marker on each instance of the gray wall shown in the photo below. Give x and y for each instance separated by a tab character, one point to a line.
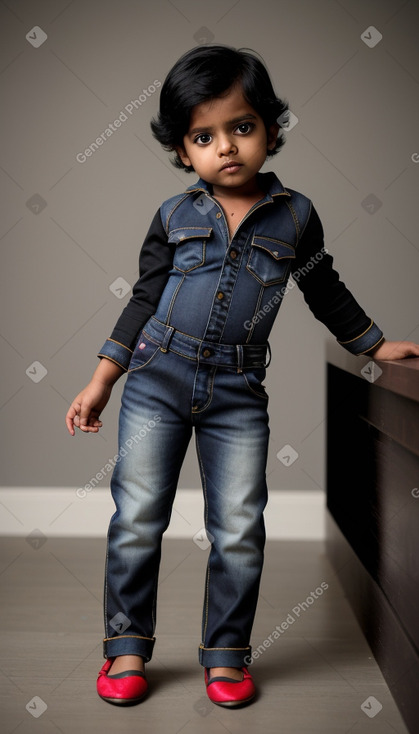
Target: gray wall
356	136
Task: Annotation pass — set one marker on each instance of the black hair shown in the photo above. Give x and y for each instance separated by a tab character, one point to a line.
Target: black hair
207	72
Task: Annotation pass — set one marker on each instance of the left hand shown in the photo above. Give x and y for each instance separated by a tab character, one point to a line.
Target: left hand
396	350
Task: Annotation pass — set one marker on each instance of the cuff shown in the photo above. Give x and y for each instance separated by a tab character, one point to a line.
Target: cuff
116	352
362	344
230	657
129	645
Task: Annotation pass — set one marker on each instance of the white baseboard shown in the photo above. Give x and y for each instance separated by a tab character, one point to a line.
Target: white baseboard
60	512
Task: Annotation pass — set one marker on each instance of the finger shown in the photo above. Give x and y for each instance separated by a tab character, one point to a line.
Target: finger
69	419
90	429
91	424
84	417
94	419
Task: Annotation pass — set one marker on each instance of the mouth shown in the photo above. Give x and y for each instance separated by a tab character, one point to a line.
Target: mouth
231	166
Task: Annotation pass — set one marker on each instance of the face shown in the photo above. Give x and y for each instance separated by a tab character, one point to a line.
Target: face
227	142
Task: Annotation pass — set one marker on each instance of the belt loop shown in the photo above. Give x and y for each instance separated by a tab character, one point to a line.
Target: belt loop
167	338
270	355
239	349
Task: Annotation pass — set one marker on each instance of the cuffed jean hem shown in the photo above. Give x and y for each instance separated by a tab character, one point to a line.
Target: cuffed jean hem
229	657
128	645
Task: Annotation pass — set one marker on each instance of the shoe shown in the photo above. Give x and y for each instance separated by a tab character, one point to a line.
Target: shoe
123	689
228	691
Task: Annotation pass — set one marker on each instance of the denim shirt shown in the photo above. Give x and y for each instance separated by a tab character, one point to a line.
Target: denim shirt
229	289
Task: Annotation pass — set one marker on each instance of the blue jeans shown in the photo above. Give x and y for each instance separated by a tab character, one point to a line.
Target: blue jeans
176	383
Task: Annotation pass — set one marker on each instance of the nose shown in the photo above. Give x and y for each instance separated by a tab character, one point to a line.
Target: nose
226	146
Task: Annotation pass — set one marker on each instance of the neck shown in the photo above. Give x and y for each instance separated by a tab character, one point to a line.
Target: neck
248	191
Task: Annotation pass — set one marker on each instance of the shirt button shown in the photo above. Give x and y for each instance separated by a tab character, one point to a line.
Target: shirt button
233	254
218	215
220	295
206	353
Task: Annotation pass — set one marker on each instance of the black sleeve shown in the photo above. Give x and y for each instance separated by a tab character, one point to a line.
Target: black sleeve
327	296
155	262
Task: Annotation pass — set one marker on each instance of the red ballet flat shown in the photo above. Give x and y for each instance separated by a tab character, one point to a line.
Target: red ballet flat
124	689
228	691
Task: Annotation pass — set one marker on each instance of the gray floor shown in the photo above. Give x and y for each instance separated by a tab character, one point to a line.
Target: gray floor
313	679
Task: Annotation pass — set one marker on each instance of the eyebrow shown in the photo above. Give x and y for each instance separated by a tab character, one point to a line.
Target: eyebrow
247	116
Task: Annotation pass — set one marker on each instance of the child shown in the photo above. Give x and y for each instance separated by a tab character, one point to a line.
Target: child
193	339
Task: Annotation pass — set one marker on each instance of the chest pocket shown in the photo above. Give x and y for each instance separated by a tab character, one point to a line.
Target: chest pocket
269	260
190	247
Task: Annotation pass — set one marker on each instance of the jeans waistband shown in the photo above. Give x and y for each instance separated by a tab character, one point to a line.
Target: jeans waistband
240	356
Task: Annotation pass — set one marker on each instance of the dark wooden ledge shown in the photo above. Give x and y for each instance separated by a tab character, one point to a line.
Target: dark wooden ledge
373	508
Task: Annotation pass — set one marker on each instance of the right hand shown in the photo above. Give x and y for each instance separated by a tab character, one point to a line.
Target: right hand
86	408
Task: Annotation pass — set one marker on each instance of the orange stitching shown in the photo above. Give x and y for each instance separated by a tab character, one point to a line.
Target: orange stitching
358	337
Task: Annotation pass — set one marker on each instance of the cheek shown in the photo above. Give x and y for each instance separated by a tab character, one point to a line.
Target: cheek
202	156
262	144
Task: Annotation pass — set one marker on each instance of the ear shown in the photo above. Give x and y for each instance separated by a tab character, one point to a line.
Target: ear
182	155
273	131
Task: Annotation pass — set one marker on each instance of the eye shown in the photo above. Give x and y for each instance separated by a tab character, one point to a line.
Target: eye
203	139
244	128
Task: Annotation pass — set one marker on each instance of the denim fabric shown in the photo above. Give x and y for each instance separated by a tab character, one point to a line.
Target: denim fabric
166	396
228	289
199	364
217	283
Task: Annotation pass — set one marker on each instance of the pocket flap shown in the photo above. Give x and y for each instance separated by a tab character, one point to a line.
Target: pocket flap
279	250
188	233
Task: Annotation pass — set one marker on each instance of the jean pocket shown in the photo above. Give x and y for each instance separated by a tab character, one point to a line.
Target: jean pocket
145	350
253	379
270	260
190	247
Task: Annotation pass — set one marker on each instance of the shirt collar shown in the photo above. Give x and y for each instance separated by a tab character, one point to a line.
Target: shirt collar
269	182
